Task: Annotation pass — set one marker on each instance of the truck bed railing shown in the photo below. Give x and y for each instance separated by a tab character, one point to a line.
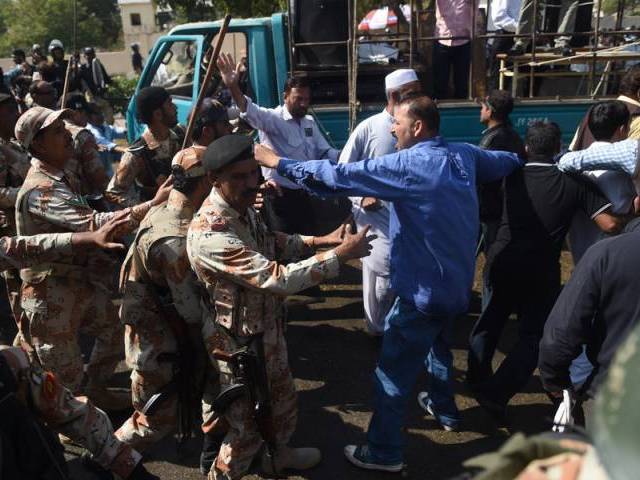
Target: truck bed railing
528	67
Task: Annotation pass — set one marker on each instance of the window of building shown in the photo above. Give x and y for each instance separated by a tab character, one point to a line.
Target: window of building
136	21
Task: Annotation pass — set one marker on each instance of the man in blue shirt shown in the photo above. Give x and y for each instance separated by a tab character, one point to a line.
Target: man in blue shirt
433	229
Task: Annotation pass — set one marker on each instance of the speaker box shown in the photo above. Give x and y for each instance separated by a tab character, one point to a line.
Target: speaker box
320	21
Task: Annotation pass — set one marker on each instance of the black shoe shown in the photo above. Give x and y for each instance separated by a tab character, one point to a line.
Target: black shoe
497	410
210	447
516	50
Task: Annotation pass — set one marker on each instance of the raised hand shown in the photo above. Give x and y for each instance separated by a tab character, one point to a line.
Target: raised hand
228	69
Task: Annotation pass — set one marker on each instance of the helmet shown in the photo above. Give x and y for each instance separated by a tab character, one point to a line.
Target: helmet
89	51
55	43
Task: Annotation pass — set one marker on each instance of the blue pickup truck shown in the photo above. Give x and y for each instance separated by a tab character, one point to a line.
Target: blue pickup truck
178	62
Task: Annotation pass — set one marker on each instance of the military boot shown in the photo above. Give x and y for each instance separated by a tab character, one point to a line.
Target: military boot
287	458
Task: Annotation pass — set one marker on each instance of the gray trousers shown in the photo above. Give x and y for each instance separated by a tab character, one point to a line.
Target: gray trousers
567	17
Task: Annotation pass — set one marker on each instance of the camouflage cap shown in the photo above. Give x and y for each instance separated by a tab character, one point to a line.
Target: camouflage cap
190	159
36	119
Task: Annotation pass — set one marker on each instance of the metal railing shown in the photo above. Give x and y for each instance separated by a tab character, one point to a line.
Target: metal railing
594	52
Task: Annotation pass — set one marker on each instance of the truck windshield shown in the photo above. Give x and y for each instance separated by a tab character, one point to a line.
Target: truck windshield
176	70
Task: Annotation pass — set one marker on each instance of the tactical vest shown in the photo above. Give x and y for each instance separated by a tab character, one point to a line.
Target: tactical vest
152	169
75	268
159	224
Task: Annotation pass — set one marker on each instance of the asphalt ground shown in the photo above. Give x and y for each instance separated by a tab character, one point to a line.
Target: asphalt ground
332	359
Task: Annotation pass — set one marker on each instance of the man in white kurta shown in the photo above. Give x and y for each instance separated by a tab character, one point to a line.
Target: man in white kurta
372	138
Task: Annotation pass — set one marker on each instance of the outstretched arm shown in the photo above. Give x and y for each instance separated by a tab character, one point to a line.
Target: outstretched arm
383	177
621	156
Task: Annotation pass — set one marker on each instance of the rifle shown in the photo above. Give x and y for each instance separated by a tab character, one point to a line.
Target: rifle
206	80
184	379
249	369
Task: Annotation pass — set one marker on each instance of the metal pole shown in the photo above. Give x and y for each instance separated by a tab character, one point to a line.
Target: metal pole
594	48
75	26
533	45
292	43
412	24
353	88
472	47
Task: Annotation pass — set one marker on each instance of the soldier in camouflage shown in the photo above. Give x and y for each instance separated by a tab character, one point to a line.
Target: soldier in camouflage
60	297
14	165
85	167
159	249
41	391
240	262
147	162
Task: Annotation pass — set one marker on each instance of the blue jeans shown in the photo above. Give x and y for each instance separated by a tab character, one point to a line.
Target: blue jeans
411	340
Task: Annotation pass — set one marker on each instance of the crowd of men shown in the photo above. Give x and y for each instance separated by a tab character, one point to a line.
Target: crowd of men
201	322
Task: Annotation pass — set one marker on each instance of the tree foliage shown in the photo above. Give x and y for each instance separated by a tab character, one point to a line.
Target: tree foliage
195	10
25	22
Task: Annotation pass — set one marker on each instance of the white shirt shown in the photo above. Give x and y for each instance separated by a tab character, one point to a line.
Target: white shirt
370	139
504	14
288	137
619	189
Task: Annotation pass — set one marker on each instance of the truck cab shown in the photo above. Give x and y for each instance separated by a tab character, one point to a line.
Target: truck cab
178	62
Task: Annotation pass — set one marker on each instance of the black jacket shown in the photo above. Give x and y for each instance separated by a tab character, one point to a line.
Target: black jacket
599	307
501	137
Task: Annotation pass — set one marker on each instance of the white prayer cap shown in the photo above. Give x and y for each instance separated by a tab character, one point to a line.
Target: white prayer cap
399	77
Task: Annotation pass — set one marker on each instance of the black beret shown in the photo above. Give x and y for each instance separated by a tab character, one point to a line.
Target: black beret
76	102
227	150
150	99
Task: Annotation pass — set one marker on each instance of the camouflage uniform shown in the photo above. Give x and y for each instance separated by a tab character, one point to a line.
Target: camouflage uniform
72	416
14	165
161	248
60	297
142	169
85	169
237	259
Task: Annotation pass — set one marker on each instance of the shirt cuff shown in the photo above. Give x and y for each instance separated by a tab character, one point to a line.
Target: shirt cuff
63	243
285	166
139	211
329	262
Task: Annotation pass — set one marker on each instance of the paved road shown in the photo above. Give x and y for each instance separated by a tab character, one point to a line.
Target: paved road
332	360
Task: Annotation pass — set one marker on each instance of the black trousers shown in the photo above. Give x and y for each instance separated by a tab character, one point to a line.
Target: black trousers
530	291
498	45
445	59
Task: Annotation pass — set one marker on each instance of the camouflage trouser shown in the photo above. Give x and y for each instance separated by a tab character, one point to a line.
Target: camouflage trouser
72	416
149	376
243	441
57	308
